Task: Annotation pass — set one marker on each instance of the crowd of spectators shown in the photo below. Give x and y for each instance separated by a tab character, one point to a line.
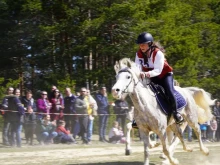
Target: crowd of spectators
54	117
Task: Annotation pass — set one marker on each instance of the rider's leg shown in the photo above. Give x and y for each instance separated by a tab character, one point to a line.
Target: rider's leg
167	83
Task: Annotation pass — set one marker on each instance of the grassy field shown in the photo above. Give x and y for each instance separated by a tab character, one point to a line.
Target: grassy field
100	154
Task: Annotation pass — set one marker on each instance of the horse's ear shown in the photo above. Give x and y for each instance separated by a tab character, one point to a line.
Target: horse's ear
129	64
116	67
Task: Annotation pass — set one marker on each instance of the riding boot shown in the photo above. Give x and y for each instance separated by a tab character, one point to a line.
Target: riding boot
134	124
178	117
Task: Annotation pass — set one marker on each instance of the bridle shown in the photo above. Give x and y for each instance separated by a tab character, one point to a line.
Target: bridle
135	84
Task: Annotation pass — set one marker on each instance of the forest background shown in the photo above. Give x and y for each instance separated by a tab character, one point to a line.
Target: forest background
75	43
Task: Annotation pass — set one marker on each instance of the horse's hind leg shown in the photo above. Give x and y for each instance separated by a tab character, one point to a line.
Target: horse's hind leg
163	137
178	130
195	126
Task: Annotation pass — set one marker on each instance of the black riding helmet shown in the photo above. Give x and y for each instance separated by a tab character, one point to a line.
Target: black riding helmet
145	38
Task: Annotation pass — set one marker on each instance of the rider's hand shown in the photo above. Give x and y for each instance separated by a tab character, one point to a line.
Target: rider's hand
144	74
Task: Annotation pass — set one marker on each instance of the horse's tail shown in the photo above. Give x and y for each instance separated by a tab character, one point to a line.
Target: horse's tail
203	101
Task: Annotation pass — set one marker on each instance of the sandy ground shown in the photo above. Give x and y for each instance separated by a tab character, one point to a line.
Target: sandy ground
101	154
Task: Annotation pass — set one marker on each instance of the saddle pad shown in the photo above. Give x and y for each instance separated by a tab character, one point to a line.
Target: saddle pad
181	103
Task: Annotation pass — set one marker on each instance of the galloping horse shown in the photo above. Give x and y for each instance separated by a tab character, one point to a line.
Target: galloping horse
148	114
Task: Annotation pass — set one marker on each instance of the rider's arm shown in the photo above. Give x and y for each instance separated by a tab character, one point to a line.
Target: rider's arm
158	64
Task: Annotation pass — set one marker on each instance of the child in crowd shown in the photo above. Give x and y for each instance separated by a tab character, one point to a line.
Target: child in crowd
63	134
115	135
203	128
29	124
213	126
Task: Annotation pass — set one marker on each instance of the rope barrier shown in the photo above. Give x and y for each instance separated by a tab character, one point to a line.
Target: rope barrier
67	114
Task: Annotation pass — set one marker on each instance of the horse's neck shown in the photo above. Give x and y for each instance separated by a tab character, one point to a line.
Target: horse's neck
144	100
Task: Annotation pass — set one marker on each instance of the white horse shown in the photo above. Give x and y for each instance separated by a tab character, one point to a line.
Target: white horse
147	110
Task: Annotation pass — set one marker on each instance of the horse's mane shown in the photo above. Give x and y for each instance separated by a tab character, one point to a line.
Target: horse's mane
123	64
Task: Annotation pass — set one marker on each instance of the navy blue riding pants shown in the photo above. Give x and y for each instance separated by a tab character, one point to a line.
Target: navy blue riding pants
167	83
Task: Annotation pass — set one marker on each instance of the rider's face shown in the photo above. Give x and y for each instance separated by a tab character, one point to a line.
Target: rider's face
143	47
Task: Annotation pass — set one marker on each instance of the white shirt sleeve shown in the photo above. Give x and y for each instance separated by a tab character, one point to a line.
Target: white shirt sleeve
158	64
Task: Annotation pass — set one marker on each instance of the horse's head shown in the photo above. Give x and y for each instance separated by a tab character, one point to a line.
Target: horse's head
126	78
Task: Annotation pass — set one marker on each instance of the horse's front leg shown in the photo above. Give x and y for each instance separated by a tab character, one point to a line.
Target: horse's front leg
128	139
145	137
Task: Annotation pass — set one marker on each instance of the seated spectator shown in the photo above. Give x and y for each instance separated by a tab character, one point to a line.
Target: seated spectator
45	130
63	134
115	134
29	124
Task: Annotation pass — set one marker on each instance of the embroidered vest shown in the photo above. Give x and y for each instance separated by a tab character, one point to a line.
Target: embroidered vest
166	68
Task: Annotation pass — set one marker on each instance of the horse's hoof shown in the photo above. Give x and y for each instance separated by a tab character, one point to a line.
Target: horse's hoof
188	149
127	152
205	151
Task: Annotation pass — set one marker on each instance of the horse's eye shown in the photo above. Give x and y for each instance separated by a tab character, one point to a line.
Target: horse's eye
129	77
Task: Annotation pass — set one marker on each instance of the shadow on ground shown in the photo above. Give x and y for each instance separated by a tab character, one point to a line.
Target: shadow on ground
114	163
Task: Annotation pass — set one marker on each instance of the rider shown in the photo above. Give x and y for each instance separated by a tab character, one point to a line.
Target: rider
151	58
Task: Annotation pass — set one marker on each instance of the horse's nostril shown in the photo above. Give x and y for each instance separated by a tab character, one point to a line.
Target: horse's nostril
117	90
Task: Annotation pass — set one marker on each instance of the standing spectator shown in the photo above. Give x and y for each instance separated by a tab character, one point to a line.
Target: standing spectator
45	130
216	112
81	109
6	124
213	127
63	134
203	128
57	106
43	105
27	101
15	114
29	124
103	111
92	111
188	129
121	109
50	95
70	118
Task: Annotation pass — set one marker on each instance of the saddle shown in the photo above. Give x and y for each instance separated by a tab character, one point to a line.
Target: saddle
164	101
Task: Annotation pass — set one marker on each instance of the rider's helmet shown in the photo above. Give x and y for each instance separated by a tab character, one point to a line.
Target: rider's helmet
144	38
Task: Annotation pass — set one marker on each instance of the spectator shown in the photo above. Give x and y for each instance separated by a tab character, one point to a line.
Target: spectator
57	106
103	111
121	109
213	127
216	112
6	124
29	124
27	101
188	129
43	105
203	128
115	134
45	130
70	119
63	134
92	111
15	114
53	88
81	109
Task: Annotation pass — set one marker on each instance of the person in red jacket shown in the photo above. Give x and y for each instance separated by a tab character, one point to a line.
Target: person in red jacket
63	134
150	57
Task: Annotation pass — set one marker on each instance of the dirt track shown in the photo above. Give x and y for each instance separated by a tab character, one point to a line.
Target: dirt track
101	154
